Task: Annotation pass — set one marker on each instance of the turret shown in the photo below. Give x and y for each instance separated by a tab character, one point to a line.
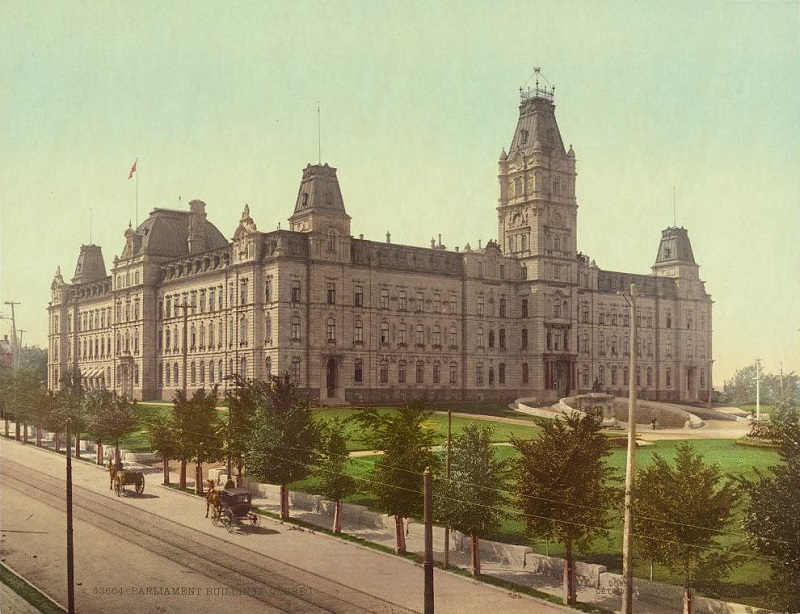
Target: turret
90	266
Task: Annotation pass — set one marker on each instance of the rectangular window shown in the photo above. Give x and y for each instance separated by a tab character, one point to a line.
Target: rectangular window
384	298
268	291
295	290
420	306
524	308
420	372
358	299
480	306
502	308
331	294
437	303
402	301
453	304
358	371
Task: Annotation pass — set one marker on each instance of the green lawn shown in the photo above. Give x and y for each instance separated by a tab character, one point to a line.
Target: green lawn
765	409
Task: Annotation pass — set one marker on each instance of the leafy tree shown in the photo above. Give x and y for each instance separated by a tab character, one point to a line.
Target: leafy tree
564	485
680	512
236	431
741	388
197	438
334	482
163	441
284	435
470	501
67	411
772	516
396	478
34	358
111	417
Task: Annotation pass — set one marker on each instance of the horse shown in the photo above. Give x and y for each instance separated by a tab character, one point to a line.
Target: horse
212	497
112	473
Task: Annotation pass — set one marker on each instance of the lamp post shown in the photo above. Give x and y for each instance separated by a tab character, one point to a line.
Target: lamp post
758	389
630	468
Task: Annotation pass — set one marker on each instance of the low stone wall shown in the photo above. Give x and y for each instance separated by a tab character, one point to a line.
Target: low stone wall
586	574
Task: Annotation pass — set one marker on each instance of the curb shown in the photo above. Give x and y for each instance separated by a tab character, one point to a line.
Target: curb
55	606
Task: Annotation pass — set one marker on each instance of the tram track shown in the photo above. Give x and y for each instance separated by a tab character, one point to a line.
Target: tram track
285	587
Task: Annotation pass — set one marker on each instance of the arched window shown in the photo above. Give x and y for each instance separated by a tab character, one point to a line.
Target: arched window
480	337
268	367
437	367
453	372
453	337
167	338
295	328
420	335
192	337
202	372
401	371
166	374
202	335
491	376
243	368
437	336
420	371
211	371
192	375
401	334
210	334
502	338
175	373
491	338
295	372
384	333
243	331
268	328
501	373
384	372
358	331
525	373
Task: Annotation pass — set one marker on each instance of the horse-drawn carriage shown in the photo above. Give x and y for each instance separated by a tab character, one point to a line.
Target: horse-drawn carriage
120	478
233	508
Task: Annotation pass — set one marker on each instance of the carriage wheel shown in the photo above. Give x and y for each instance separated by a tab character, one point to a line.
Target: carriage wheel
140	486
255	521
230	521
225	519
118	487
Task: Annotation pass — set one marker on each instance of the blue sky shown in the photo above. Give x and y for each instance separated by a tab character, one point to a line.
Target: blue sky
218	101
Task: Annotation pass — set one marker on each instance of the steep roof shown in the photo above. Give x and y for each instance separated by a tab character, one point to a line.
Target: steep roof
537	128
170	233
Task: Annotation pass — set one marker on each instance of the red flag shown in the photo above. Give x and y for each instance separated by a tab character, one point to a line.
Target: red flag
133	168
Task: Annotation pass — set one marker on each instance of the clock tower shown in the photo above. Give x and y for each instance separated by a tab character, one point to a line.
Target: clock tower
537	210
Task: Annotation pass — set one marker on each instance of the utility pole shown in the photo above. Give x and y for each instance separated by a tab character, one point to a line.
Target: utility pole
447	476
185	308
14	340
630	469
428	565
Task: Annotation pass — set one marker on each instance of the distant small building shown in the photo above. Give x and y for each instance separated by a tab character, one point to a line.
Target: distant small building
360	321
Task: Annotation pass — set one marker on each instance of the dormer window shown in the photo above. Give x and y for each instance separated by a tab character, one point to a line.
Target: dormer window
305	199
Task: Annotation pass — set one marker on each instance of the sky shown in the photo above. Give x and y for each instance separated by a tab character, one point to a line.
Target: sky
678	112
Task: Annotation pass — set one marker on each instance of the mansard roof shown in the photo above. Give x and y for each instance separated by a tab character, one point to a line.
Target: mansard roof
675	247
166	233
319	190
537	129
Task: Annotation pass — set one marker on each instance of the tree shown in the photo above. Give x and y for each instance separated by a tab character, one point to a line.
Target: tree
565	487
236	432
197	433
396	478
110	417
334	483
34	359
163	441
772	516
284	437
680	512
67	413
741	388
471	501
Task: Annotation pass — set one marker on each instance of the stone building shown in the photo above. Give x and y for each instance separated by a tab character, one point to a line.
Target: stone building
359	321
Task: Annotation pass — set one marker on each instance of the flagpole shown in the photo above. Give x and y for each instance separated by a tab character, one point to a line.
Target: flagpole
137	192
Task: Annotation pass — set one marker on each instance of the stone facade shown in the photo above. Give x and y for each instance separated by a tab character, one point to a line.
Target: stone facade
359	321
